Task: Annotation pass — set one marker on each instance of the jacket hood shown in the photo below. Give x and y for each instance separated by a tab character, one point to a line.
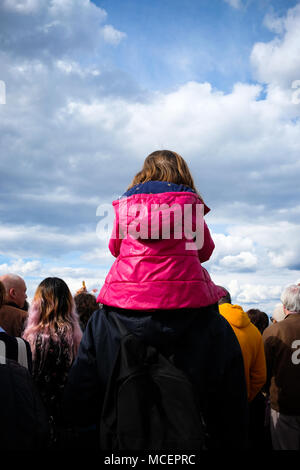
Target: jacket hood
235	315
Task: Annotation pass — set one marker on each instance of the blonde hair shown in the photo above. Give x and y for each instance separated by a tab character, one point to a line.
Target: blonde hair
165	165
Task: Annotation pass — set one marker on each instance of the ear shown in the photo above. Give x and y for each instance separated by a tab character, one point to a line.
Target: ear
12	293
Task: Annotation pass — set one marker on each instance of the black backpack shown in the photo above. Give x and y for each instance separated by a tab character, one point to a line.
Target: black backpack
149	403
24	421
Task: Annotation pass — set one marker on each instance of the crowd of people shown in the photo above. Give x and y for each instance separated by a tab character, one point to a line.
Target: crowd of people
59	355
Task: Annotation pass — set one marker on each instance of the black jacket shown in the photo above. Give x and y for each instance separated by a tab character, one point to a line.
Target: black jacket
204	347
24	422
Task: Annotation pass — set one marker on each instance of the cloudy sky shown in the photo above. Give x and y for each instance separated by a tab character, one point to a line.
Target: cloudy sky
89	89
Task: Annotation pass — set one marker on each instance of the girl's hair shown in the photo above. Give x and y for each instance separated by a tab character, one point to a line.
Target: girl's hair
52	316
164	165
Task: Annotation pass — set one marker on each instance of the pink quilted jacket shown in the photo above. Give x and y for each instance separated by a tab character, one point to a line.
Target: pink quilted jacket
159	273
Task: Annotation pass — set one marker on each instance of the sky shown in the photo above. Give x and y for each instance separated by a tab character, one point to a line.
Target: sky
89	89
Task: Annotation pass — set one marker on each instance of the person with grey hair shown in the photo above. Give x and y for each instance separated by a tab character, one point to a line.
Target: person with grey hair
282	348
12	315
278	314
290	299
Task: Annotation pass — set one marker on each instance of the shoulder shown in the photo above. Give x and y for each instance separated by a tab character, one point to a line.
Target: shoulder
255	333
12	340
17	349
272	331
13	311
97	329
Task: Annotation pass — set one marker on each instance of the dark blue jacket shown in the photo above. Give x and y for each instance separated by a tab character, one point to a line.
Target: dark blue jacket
204	347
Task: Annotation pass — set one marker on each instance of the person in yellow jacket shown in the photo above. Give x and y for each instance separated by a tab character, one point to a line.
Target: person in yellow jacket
251	343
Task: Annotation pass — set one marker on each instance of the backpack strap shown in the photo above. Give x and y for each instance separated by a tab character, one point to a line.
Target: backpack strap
22	353
2	352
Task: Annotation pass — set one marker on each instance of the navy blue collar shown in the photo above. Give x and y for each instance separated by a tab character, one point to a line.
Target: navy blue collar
156	187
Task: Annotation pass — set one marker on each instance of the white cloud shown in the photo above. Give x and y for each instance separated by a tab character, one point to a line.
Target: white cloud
279	242
230	244
27	268
55	29
258	293
112	35
73	67
243	261
38	239
22	6
278	62
274	22
34	271
237	4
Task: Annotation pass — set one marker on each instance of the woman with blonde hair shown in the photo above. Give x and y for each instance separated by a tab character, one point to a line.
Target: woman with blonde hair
54	334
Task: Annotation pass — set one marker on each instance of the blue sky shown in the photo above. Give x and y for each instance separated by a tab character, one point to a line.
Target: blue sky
187	40
93	88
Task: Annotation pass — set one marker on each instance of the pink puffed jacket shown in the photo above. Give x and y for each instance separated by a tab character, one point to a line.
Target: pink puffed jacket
158	272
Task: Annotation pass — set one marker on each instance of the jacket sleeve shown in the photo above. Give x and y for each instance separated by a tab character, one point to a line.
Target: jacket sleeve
115	240
269	342
208	246
258	371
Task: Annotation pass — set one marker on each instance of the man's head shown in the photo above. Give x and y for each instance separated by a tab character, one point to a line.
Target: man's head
226	299
258	318
290	299
15	289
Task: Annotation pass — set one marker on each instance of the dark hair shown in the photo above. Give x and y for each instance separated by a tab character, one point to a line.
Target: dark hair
86	304
2	294
258	318
226	299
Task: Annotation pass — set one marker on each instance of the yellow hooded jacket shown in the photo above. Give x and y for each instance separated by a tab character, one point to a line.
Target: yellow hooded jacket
252	347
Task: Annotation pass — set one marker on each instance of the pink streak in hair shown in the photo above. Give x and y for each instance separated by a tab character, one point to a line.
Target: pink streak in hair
71	334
